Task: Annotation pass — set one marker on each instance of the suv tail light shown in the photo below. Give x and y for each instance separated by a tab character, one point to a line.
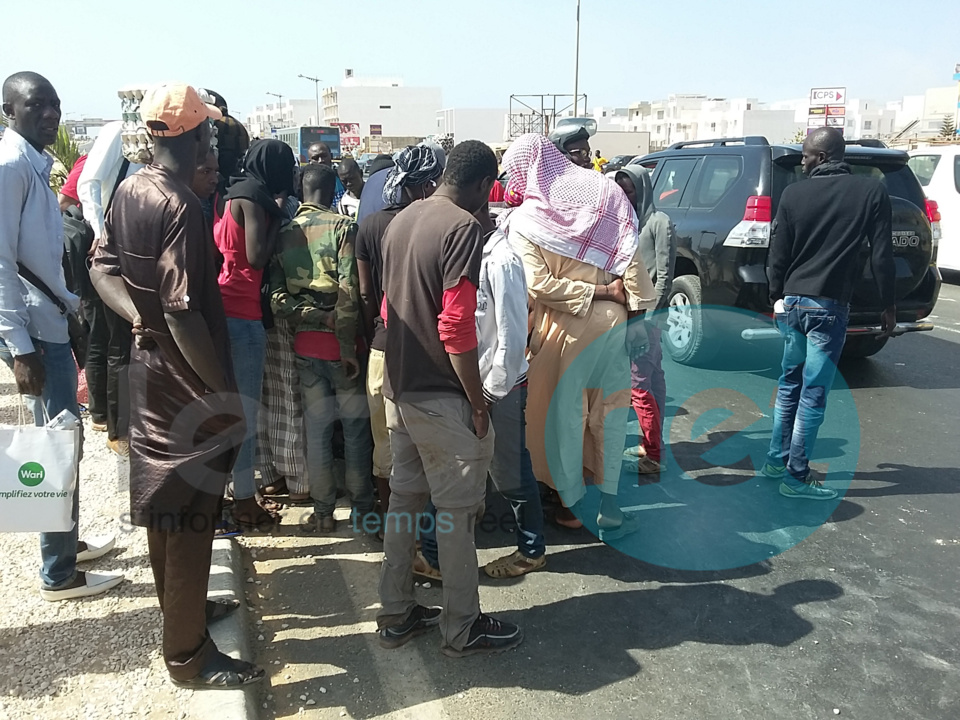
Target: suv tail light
754	230
933	215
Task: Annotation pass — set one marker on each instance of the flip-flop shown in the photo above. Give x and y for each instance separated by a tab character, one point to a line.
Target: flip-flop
226	529
220	608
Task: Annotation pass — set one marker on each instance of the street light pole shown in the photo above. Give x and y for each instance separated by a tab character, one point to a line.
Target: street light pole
316	88
576	68
280	103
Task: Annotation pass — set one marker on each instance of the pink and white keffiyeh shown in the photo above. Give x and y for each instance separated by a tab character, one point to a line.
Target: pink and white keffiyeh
569	210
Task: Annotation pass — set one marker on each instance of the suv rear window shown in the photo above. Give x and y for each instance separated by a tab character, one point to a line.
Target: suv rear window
896	177
923	167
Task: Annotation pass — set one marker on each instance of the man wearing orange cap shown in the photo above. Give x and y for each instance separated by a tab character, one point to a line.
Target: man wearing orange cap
155	267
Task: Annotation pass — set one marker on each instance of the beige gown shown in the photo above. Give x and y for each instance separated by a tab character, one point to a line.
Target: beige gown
579	376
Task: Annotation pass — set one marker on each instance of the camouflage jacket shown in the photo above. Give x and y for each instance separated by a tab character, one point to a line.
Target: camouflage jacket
313	276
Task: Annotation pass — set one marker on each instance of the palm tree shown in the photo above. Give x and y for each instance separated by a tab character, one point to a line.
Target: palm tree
66	153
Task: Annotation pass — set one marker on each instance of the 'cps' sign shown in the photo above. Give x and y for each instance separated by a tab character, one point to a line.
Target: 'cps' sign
828	96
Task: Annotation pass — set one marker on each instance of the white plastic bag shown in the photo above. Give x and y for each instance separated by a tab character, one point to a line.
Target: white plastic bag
38	474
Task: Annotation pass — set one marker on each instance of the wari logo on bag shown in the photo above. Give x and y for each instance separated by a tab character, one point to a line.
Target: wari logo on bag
31	474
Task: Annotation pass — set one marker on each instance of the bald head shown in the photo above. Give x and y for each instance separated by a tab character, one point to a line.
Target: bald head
824	144
33	108
19	83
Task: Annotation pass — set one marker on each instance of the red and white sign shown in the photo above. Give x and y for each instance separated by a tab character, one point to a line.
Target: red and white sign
828	96
349	135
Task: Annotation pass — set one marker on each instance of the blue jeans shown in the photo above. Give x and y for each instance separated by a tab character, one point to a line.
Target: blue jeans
512	473
248	346
328	394
814	330
58	551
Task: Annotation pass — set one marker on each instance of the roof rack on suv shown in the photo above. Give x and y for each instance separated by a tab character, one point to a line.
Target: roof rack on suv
722	142
867	142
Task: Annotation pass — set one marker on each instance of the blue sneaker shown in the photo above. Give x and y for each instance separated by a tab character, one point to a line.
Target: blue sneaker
810	490
774	472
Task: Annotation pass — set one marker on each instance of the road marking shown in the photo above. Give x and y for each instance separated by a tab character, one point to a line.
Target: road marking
941	327
405	682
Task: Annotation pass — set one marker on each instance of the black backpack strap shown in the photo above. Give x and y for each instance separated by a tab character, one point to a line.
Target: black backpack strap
121	176
27	274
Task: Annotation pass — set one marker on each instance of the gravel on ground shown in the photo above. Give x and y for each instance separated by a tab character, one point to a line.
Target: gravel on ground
96	657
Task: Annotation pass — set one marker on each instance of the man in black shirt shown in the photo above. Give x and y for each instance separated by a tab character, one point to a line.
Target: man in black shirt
822	231
416	175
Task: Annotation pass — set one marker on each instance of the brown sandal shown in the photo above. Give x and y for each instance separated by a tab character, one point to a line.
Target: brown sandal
248	518
514	565
564	518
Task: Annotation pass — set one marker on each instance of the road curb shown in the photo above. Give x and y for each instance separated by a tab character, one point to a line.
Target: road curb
230	635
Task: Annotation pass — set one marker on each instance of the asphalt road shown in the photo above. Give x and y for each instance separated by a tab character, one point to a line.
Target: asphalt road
861	617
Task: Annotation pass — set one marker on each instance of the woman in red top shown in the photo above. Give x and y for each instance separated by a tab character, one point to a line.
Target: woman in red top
246	236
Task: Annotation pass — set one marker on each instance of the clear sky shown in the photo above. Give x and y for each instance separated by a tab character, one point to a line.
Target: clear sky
481	51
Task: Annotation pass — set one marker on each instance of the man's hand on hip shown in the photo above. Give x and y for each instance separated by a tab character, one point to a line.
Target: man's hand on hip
29	374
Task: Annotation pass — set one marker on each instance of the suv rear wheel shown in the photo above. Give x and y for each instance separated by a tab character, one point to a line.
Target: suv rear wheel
684	334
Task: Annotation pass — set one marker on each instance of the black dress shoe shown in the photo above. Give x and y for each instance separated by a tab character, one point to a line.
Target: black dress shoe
223	673
219	609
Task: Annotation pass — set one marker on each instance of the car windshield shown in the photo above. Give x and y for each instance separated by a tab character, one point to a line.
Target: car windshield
621	159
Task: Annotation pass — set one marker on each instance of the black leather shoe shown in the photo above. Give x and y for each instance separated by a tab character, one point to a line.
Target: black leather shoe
224	673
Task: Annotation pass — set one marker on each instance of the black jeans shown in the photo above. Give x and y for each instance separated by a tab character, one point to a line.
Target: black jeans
118	382
96	366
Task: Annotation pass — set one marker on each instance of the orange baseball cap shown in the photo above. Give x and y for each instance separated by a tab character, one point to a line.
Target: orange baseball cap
172	110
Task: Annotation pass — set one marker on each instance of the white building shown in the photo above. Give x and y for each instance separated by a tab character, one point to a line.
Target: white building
920	117
488	125
382	106
685	117
288	113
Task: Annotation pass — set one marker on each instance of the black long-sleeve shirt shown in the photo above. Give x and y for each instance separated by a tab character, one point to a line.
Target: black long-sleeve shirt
823	229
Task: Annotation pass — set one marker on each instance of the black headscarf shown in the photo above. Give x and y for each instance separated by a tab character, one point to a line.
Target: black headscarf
268	169
415	165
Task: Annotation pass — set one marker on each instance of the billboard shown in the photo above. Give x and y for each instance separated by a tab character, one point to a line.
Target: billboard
376	130
349	135
828	96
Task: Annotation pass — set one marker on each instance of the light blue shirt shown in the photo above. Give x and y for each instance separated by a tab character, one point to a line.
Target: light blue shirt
31	232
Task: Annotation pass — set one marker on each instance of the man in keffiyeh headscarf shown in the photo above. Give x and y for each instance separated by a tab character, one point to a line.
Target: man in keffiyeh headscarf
415	175
577	236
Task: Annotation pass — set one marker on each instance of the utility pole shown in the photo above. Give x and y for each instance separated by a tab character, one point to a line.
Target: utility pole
279	98
576	68
316	88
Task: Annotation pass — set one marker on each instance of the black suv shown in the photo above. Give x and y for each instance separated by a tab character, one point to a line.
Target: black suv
722	196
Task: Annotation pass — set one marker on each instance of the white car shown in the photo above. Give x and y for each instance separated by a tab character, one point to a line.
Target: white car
938	169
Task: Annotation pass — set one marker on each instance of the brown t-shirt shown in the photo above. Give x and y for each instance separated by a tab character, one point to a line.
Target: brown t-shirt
181	443
427	249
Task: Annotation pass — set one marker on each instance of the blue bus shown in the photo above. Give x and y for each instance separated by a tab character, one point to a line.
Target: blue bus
301	138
